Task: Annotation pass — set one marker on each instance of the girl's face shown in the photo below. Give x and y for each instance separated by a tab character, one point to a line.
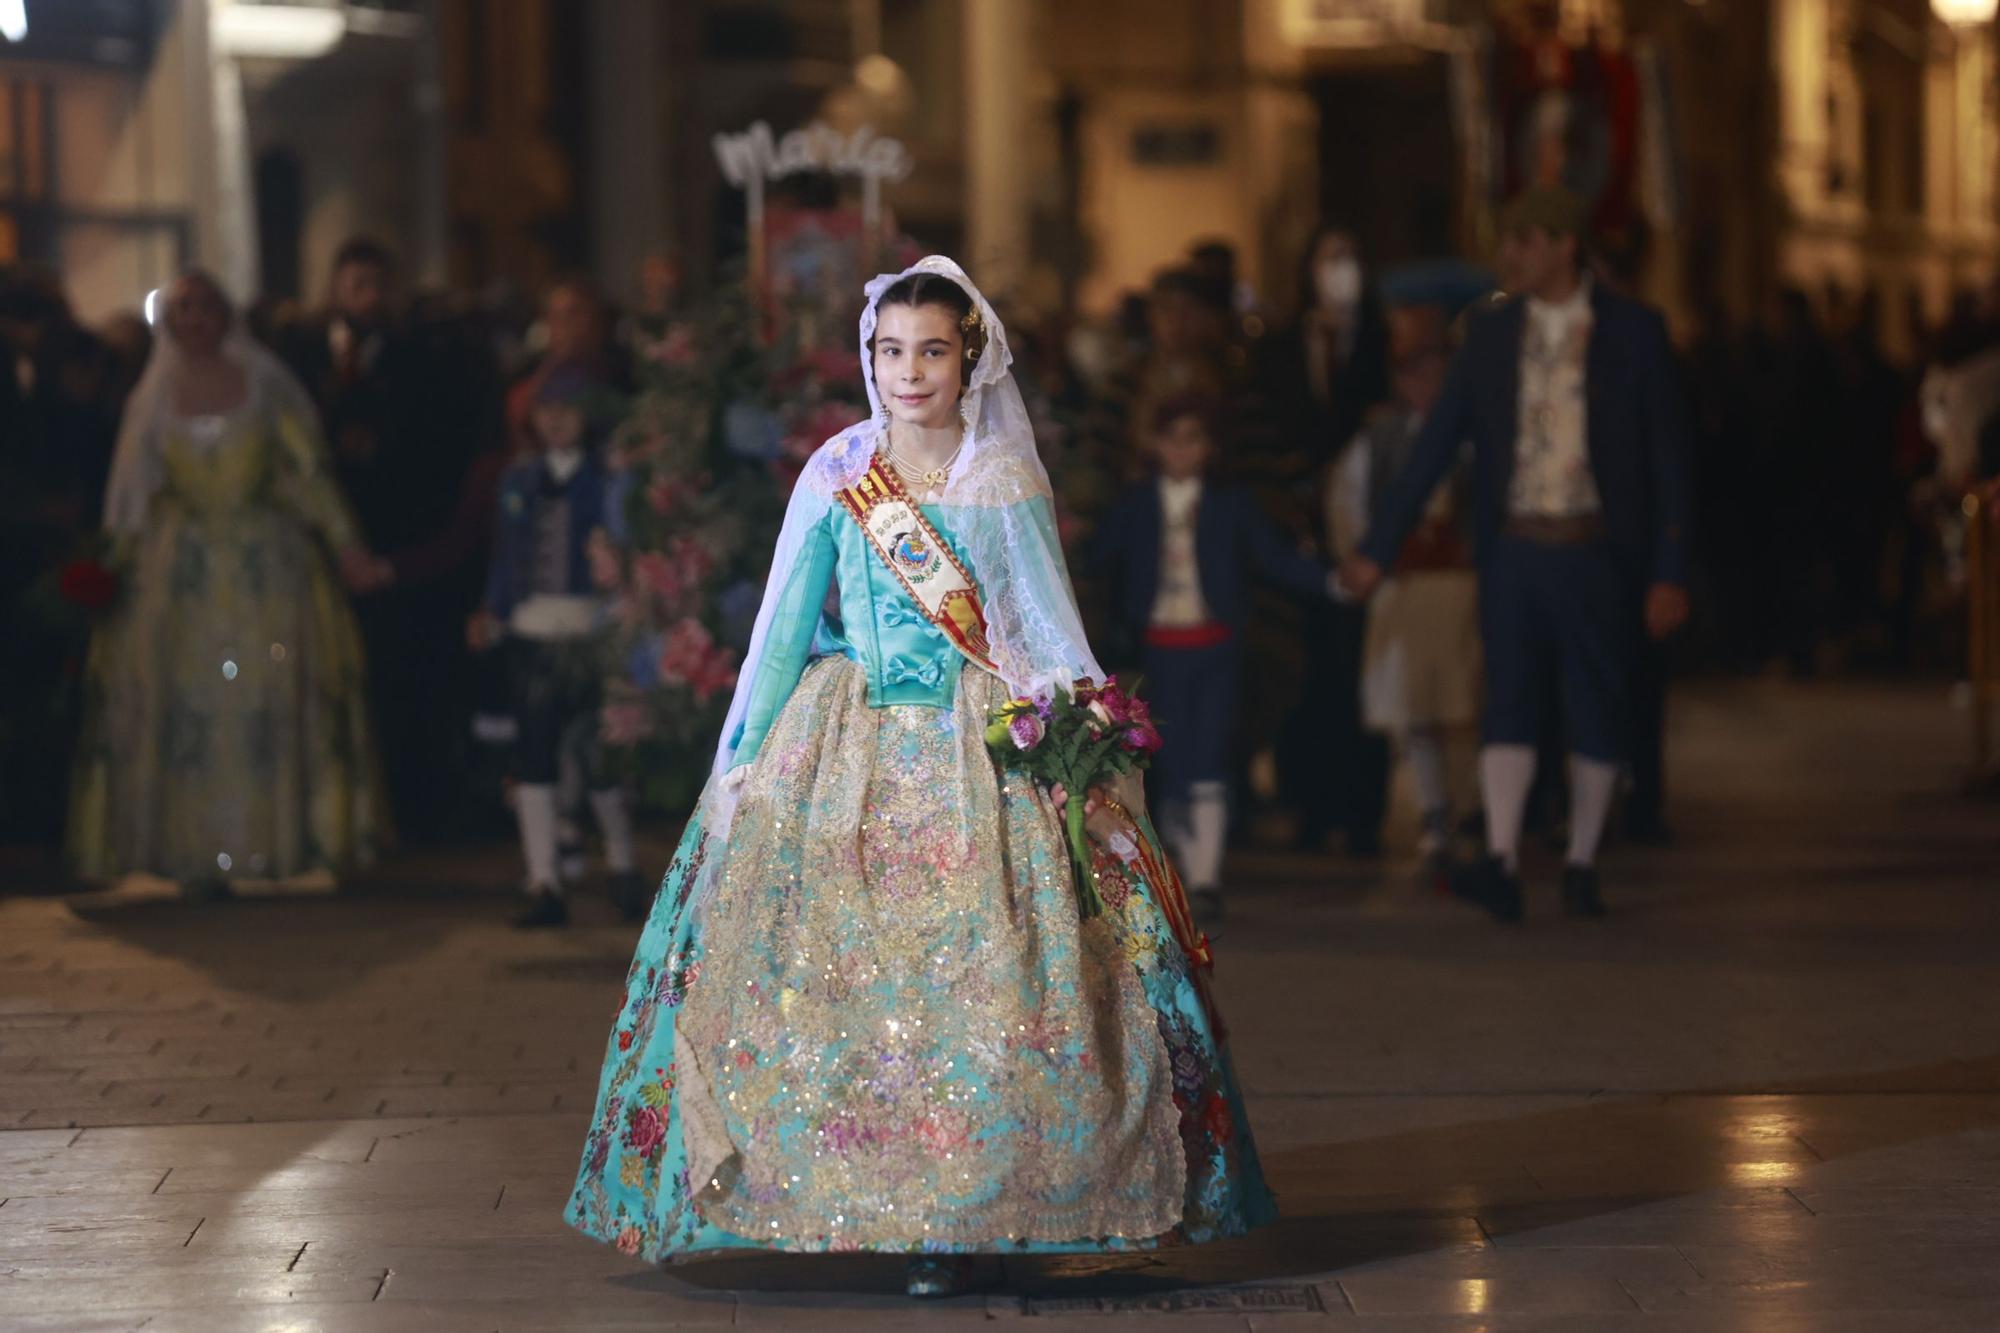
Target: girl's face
559	426
196	317
918	354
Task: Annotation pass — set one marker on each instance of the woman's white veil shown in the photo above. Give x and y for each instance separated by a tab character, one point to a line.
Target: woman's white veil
137	470
996	501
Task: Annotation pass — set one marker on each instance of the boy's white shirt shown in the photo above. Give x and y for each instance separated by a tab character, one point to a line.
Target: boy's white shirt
552	617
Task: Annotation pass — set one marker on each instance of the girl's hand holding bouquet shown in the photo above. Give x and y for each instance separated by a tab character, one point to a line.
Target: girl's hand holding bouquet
1078	740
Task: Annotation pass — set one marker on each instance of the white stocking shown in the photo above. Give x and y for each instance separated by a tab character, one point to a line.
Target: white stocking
1208	834
1506	772
614	821
1592	784
535	808
1424	747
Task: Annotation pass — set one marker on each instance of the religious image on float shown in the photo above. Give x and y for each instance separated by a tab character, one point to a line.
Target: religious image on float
866	1011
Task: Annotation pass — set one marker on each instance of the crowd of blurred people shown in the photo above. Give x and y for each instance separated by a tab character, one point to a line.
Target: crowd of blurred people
1825	478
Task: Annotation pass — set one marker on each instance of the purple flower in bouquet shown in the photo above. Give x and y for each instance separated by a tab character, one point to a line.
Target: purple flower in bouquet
1143	737
1026	731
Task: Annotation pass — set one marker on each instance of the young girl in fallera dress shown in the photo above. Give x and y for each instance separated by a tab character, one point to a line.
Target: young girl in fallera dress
865	1013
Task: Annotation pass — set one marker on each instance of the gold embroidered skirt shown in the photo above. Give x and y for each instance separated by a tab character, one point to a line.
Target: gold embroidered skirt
901	1034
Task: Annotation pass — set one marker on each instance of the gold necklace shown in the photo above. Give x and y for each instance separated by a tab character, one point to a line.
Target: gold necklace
917	477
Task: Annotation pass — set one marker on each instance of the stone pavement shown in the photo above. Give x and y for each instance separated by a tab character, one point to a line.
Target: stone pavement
1765	1096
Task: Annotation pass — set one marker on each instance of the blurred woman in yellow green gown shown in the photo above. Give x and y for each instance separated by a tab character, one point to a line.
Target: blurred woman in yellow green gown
225	726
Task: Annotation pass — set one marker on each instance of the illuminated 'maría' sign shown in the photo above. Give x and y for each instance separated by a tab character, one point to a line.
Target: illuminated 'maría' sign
754	155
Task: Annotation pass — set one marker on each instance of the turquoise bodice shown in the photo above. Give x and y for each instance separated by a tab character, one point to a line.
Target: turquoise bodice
878	625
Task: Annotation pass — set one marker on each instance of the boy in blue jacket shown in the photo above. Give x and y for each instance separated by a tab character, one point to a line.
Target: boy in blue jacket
1178	552
542	608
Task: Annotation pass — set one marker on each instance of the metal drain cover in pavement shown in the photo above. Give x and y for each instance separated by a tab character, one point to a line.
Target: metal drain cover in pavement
1295	1299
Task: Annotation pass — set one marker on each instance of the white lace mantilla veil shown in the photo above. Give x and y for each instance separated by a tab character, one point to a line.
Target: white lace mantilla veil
1032	622
137	470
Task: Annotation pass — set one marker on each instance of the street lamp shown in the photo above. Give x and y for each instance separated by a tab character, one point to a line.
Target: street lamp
1965	13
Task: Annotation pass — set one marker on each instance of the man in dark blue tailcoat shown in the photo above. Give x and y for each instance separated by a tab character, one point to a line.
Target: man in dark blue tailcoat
1567	396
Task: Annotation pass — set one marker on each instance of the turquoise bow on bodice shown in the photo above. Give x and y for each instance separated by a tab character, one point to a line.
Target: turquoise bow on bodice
896	610
901	670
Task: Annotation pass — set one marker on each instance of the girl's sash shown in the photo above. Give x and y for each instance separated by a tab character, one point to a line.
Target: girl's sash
921	560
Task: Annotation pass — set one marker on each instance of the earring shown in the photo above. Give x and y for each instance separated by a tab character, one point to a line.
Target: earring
965	414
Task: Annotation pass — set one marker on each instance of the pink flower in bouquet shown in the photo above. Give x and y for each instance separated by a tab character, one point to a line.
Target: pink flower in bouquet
1026	731
1117	706
1142	736
603	558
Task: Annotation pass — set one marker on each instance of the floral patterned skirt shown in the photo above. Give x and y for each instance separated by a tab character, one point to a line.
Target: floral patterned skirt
225	726
869	1018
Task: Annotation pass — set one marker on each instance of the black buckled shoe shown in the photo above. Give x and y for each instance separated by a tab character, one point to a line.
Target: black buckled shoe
933	1276
1580	892
1487	884
545	909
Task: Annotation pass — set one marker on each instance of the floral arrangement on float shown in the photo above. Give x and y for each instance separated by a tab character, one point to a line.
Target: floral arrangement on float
734	397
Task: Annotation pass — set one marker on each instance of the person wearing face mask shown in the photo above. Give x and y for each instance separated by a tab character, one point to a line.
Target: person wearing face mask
1329	371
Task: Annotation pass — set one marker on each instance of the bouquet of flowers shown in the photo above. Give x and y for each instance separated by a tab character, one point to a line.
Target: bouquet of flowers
1077	738
88	584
